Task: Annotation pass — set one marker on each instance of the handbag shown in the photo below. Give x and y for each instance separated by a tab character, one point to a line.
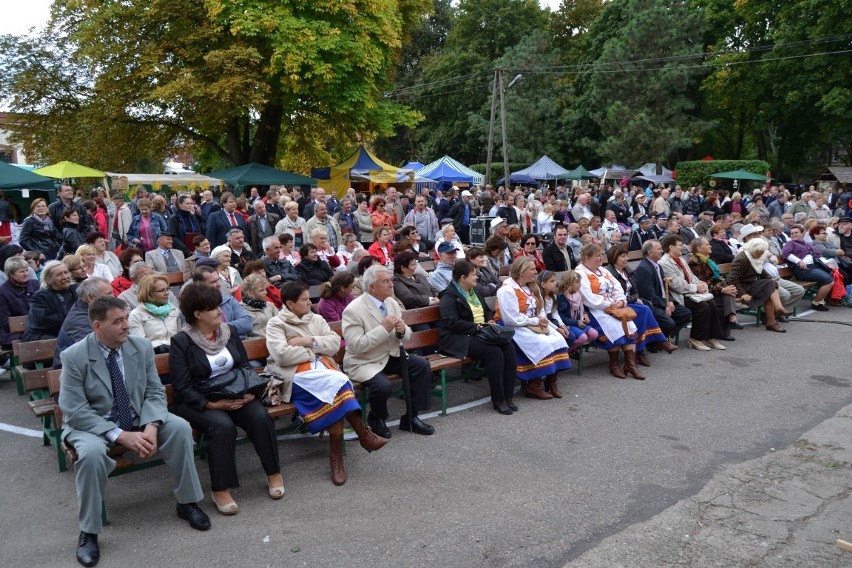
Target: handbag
703	297
624	314
272	395
491	334
540	329
234	384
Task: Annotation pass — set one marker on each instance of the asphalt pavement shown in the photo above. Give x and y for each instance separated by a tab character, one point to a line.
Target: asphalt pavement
550	485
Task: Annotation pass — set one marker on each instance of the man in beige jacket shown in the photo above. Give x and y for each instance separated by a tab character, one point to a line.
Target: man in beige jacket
372	327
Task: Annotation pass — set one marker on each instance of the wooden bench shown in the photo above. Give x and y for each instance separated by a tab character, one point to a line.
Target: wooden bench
428	338
256	350
17	324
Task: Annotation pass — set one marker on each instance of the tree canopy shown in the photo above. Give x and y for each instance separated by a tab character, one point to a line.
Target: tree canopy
299	84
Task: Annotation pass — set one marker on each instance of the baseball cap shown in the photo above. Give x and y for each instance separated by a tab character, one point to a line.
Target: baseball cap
446	247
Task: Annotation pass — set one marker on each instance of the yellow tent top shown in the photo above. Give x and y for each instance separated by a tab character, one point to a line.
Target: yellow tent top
362	166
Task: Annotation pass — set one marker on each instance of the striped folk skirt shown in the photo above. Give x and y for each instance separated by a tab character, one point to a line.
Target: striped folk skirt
647	330
319	415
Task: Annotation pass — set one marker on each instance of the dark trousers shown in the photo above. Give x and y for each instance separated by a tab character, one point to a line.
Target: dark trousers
500	367
705	320
220	428
419	377
672	324
464	234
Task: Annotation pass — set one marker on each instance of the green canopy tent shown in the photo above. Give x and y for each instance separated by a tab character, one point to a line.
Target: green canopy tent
12	177
577	173
258	174
740	175
67	170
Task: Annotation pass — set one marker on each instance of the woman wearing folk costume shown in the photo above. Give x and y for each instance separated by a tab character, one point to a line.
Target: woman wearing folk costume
301	347
600	290
539	355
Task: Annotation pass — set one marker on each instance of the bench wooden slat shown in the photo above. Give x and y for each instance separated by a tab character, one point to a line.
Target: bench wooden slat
33	351
420	316
17	324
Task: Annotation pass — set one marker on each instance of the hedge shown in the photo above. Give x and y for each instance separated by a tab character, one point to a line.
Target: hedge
697	172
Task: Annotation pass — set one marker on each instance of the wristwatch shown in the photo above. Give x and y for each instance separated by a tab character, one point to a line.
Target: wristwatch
314	344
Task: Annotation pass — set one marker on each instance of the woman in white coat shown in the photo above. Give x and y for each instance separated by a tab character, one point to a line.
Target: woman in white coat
301	350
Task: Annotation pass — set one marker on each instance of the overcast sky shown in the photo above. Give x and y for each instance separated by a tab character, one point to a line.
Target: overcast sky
19	16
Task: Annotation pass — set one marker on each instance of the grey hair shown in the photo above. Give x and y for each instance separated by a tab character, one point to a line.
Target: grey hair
647	246
89	288
47	272
134	269
776	225
14	264
318	231
234	231
359	254
269	241
255	282
756	246
348	237
370	275
446	228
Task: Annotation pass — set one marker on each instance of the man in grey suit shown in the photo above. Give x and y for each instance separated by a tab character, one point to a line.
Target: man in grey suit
372	328
164	258
110	394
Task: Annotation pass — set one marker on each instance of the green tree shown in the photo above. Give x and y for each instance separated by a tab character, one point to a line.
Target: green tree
233	76
786	104
456	83
642	100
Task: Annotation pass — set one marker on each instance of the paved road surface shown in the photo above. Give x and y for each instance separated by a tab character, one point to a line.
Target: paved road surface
536	489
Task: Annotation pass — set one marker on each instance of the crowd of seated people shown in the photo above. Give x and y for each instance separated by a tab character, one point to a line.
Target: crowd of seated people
569	285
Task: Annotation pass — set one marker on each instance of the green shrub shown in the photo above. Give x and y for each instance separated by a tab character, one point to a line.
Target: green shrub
697	172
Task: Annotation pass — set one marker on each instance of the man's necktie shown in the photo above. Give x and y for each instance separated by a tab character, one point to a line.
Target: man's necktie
383	309
171	263
121	400
233	220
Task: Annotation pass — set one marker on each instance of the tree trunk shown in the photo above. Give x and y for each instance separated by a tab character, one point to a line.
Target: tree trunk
235	148
265	146
761	146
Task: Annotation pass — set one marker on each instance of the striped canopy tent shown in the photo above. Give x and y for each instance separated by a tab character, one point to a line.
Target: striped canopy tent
543	169
448	171
361	168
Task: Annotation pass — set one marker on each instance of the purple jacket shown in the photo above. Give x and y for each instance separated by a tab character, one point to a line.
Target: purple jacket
800	249
331	309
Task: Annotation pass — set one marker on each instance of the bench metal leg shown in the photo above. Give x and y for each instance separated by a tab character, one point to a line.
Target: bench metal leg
104	516
444	392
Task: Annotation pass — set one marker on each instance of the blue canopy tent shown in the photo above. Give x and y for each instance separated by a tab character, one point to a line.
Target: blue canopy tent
519	179
543	169
413	166
448	171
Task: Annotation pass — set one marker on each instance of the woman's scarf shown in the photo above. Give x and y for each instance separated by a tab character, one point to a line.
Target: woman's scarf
161	312
211	347
256	304
709	262
471	296
46	223
184	216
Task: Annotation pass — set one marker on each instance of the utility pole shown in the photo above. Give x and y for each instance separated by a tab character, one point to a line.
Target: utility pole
506	174
491	127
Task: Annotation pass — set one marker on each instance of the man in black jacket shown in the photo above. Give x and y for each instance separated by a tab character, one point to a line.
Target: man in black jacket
557	256
278	271
461	212
66	201
642	234
648	276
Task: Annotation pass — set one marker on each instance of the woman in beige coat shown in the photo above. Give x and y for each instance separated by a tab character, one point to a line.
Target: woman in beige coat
301	350
155	318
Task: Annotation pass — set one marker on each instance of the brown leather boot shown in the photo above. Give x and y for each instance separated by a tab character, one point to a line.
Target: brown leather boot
335	458
630	365
641	359
532	389
368	439
551	386
615	366
666	346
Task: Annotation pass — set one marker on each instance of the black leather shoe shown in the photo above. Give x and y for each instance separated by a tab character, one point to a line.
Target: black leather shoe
819	307
378	426
728	338
88	552
191	512
416	426
502	408
511	406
